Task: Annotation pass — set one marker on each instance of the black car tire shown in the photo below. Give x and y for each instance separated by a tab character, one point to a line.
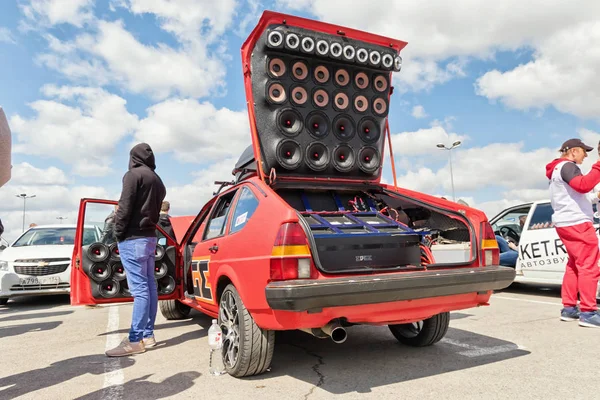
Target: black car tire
255	351
3	301
174	309
423	333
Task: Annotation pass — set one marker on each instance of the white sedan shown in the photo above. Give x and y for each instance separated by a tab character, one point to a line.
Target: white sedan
39	261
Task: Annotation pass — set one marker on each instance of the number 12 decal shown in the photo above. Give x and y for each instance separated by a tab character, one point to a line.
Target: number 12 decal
200	274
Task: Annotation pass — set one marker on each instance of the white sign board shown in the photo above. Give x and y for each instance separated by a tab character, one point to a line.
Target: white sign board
5	149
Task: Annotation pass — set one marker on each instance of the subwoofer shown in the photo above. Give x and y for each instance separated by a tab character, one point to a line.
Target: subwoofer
118	272
317	124
368	130
289	154
125	288
342	77
299	70
114	251
380	107
361	104
166	285
276	67
361	80
368	159
321	74
343	158
109	288
380	83
276	93
299	95
160	269
99	271
341	101
317	156
320	98
289	122
343	127
97	252
159	253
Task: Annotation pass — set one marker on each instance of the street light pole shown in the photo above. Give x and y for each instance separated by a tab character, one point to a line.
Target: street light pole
24	197
443	147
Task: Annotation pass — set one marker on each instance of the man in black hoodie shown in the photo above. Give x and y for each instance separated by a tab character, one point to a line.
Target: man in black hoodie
135	224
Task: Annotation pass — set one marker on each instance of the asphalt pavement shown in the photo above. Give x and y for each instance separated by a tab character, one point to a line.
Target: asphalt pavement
515	349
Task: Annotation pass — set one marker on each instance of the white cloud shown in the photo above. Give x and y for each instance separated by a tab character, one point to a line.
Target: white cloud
195	132
114	55
439	30
424	141
562	74
419	112
26	174
6	36
84	135
55	12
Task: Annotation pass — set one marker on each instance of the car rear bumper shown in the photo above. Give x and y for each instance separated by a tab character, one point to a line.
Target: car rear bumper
302	295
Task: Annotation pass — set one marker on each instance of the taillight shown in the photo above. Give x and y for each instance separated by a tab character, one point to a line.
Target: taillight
490	253
291	258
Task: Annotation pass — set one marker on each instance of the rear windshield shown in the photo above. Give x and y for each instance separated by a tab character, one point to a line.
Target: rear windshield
53	236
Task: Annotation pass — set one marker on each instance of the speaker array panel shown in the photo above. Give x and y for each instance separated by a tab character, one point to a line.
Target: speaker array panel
108	278
321	103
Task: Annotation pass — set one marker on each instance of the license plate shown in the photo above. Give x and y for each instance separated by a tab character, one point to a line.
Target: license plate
34	280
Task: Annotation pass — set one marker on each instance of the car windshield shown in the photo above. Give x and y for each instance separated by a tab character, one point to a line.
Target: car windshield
50	236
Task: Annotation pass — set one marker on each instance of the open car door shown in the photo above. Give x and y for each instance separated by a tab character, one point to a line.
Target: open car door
97	275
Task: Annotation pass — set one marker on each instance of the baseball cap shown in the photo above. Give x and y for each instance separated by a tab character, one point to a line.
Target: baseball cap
572	143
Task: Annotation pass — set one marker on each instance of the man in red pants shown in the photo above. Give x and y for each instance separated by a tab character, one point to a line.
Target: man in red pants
573	219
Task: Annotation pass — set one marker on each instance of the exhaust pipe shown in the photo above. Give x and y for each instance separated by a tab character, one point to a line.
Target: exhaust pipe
334	330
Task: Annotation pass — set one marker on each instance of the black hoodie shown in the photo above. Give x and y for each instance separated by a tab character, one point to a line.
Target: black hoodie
141	197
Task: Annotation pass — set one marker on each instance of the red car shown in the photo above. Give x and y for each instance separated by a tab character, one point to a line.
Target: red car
306	236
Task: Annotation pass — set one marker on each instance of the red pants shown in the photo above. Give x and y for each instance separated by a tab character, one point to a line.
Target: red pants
582	273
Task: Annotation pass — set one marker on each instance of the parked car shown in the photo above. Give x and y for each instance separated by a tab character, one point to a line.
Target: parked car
307	236
38	262
542	256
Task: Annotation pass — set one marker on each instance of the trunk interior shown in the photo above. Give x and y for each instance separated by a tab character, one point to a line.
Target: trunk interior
358	231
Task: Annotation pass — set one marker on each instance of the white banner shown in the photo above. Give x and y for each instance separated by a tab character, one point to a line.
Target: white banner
5	149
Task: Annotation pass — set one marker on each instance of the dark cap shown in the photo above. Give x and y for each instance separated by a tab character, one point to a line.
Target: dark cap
572	143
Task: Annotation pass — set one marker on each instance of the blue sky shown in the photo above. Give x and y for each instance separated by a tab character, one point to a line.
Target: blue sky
511	83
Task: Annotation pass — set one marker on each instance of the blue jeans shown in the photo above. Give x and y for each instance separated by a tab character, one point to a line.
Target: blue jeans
508	256
137	257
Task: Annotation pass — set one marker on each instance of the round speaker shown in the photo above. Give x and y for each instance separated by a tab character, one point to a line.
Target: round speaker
125	288
276	93
289	154
299	95
387	60
109	288
160	269
307	44
300	70
335	50
343	127
374	58
341	101
317	124
397	63
343	158
289	121
320	98
380	83
275	39
118	272
322	47
97	252
292	41
159	253
276	67
99	271
361	80
361	104
114	251
317	156
342	77
166	285
349	53
321	74
368	130
380	106
362	56
368	159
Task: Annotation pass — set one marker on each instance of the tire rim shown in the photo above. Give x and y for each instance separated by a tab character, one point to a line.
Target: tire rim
230	325
411	330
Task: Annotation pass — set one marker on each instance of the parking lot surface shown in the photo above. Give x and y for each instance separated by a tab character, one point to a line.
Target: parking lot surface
516	348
